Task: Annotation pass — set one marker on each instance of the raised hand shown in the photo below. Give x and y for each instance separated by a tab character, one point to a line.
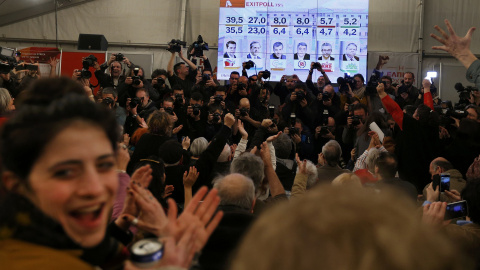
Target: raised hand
458	47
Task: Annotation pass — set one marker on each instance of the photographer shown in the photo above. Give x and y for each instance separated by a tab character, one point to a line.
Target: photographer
214	122
359	89
325	132
220	98
180	110
302	103
139	108
196	116
114	64
285	87
182	74
355	121
160	88
259	101
321	81
128	88
303	139
109	99
248	117
241	91
205	84
327	100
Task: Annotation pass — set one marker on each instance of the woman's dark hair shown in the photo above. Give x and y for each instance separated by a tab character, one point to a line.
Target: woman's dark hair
360	76
157	185
24	136
374	117
44	91
427	117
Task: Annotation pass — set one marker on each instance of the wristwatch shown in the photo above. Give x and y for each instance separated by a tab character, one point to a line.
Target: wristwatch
134	116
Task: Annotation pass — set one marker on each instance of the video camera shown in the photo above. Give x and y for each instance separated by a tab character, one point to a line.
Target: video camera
344	82
199	46
7	60
371	88
463	94
88	62
175	45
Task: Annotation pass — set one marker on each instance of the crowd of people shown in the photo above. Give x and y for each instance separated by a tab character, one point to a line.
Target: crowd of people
229	178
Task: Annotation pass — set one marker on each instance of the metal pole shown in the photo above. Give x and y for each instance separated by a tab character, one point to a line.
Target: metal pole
420	40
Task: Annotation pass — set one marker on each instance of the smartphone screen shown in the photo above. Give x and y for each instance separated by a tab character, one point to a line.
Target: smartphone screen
444	182
456	210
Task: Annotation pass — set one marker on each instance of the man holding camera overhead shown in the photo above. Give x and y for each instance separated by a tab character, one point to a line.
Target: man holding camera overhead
114	64
181	74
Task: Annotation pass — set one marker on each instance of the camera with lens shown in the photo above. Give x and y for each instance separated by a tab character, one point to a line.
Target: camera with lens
356	120
218	99
300	95
243	112
371	88
249	64
160	82
169	110
199	46
136	79
316	65
88	62
108	101
344	82
216	117
241	86
196	109
266	74
206	77
178	99
134	102
325	96
175	45
119	57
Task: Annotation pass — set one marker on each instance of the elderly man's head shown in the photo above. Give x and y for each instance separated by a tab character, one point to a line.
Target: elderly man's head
236	190
332	152
251	166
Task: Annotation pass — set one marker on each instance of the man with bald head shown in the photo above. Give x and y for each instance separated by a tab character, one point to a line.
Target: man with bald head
240	91
248	116
237	198
327	101
440	166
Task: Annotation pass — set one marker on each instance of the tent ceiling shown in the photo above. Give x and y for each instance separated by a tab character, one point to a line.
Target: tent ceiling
12	11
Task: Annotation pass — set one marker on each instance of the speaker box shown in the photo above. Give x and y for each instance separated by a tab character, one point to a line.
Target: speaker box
90	42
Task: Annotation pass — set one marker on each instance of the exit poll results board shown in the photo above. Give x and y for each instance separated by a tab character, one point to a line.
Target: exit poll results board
286	37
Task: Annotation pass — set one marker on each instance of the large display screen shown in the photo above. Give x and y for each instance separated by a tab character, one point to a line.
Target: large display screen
286	36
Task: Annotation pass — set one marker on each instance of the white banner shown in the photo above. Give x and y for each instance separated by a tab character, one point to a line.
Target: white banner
394	65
